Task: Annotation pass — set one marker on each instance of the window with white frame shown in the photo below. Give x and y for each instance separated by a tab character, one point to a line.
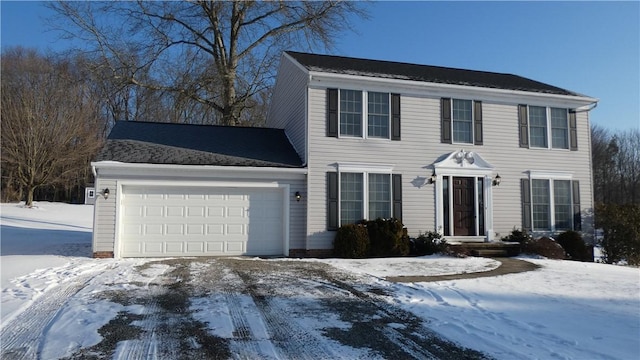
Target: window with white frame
551	204
354	113
462	121
359	197
548	123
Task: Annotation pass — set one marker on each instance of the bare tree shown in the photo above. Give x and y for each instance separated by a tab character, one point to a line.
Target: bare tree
217	53
616	166
49	120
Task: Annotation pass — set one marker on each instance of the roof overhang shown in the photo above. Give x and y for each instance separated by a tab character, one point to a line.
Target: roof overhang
115	169
374	83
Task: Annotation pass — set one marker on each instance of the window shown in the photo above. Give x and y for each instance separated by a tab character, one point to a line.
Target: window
351	196
353	111
548	123
358	197
379	196
378	113
350	113
551	204
462	121
562	204
538	126
559	129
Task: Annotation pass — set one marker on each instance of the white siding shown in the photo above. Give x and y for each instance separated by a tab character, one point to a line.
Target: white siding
420	147
104	228
288	104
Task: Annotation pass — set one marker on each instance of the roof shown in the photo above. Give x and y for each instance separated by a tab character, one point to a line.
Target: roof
424	73
186	144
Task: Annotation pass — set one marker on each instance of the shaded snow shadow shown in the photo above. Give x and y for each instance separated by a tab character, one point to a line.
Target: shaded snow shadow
26	241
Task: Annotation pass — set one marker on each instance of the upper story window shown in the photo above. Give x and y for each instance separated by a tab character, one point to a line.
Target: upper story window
376	114
350	113
547	127
363	114
461	121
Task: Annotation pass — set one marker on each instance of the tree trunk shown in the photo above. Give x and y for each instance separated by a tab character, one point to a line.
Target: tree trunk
29	200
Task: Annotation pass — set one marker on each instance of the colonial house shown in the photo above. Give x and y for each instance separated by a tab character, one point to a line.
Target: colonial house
469	154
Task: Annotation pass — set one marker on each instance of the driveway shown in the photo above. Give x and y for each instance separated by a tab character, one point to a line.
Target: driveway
223	308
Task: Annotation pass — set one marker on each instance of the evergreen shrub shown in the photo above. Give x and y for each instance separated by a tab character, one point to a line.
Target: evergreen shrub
387	238
428	244
351	242
573	244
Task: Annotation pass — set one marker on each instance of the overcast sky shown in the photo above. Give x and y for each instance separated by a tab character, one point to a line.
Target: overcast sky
592	48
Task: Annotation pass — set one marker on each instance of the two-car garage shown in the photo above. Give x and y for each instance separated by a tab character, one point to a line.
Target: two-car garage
158	221
170	190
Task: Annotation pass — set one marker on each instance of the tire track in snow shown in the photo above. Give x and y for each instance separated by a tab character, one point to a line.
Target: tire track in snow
291	340
23	336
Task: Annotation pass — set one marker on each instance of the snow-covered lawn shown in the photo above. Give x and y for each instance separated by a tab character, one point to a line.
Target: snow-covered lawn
564	310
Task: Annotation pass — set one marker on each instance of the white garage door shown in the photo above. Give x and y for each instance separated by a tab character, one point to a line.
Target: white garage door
201	221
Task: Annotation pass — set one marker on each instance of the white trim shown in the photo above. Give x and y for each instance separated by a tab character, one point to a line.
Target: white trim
195	168
330	80
284	188
365	167
550	174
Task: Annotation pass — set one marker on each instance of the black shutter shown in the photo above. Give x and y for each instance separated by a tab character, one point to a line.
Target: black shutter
577	214
445	124
397	196
526	204
523	123
332	112
395	116
477	121
573	131
332	201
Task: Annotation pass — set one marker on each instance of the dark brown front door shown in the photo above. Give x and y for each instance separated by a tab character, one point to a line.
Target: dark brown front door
463	207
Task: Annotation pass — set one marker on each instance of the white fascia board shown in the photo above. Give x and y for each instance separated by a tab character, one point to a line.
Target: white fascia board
359	82
120	168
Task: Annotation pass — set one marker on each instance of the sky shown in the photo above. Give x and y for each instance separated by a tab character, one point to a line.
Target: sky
592	48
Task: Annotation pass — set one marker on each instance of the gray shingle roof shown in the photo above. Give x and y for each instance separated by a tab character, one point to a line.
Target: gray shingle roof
185	144
425	73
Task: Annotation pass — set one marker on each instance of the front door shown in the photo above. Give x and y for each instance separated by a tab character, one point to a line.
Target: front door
463	206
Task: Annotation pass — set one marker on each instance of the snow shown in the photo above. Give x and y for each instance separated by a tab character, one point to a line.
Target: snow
564	310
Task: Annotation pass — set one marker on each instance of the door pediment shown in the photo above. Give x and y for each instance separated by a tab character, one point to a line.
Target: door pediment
463	160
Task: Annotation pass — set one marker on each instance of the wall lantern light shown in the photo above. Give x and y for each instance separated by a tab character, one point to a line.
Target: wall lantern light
432	179
298	196
105	193
497	180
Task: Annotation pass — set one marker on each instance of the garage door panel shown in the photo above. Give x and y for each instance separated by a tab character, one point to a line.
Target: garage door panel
173	247
172	221
151	248
195	229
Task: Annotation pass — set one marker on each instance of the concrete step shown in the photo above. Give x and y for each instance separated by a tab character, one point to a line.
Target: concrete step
490	253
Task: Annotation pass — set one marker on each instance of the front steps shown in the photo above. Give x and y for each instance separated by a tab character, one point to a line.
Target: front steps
487	249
